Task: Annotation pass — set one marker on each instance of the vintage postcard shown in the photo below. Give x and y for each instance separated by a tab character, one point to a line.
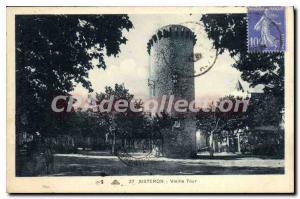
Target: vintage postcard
150	100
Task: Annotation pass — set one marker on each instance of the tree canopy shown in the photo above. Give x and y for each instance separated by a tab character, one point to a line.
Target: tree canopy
55	52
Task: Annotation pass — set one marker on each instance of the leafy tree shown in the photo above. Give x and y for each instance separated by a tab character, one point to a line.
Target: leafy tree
130	125
53	53
229	33
126	125
213	121
119	92
262	114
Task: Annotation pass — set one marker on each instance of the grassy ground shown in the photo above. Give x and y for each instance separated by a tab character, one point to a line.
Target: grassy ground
103	164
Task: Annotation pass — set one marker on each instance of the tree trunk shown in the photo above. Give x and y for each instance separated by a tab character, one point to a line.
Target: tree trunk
113	151
238	143
150	144
211	144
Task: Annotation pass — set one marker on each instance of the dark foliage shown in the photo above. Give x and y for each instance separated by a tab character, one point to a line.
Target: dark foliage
229	33
55	52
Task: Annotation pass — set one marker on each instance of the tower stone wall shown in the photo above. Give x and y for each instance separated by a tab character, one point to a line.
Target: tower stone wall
171	71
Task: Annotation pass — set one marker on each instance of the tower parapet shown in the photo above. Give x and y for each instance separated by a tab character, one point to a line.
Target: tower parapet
171	31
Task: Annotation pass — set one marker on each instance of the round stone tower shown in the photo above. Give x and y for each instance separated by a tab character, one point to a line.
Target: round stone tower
171	74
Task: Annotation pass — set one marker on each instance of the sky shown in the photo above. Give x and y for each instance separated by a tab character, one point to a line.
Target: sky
131	66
